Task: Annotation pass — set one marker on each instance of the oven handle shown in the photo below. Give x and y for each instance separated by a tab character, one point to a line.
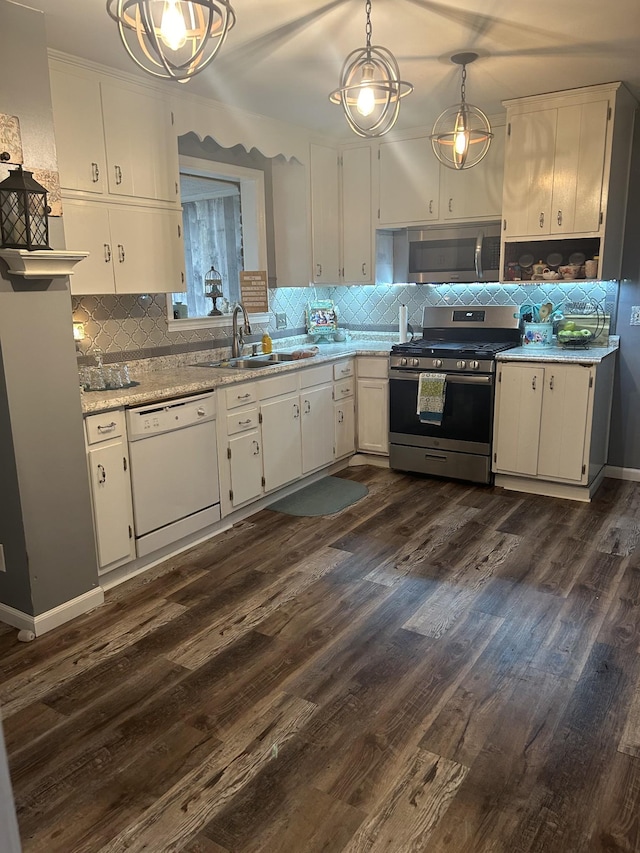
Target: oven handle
477	255
453	378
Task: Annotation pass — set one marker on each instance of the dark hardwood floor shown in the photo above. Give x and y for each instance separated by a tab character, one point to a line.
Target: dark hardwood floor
439	667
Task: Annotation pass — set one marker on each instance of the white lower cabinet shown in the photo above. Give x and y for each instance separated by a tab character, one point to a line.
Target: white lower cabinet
108	462
245	467
373	405
282	428
552	421
281	440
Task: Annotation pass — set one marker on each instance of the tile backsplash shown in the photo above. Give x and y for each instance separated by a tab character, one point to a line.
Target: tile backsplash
135	327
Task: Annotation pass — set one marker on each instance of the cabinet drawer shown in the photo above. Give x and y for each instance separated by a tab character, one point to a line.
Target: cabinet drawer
104	426
344	389
285	384
316	375
242	420
343	369
374	367
241	395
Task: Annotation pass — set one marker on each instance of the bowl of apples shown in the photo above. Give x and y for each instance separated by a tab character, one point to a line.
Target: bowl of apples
569	336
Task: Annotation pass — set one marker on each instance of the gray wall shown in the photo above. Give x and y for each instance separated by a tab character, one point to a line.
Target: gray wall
46	525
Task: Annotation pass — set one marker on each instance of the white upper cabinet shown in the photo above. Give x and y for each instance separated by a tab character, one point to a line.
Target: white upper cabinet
325	215
78	126
113	138
142	157
131	249
357	232
409	182
475	193
566	173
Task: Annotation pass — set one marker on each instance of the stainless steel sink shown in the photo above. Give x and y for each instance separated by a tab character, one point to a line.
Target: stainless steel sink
251	362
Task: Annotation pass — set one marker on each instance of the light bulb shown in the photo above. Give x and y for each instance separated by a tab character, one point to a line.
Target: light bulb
461	142
366	101
173	30
366	97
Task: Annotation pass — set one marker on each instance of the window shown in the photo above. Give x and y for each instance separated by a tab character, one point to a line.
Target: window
223	226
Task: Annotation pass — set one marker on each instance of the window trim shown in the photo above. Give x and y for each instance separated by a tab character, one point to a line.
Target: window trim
254	231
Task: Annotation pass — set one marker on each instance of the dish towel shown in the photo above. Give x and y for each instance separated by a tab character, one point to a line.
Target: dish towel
431	394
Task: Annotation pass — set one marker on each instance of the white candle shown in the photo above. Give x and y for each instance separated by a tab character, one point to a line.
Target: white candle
402	324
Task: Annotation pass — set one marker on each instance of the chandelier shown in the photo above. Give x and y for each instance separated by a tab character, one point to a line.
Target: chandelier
370	87
172	39
462	134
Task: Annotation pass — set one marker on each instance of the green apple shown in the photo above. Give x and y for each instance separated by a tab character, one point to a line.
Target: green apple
569	326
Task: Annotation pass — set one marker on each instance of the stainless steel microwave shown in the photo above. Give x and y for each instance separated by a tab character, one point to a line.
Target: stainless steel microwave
464	253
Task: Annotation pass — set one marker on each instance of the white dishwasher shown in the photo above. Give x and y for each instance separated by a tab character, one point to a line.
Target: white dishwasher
174	470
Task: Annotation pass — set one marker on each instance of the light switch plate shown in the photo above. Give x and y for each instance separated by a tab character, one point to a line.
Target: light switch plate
635	315
281	320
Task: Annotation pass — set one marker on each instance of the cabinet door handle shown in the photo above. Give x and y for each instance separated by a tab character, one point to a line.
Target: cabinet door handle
107	253
102	475
107	427
450	205
244	423
340	417
243	396
559	217
430	205
541	220
256	452
533	383
121	253
296	411
551	384
95	173
364	268
307	407
118	172
318	270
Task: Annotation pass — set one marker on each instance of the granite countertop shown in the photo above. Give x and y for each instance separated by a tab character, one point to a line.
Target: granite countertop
171	382
559	354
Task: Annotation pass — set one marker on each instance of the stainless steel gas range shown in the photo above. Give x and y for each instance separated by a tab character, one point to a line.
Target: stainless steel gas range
460	345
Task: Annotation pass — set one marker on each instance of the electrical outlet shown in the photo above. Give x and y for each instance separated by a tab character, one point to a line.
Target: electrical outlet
3	565
281	320
635	315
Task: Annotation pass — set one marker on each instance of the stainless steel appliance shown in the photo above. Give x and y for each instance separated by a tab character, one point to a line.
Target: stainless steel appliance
462	253
174	470
460	344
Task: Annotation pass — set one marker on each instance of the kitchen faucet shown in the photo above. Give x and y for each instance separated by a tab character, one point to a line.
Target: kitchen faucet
239	331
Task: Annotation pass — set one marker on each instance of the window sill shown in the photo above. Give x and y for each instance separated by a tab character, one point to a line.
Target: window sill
190	323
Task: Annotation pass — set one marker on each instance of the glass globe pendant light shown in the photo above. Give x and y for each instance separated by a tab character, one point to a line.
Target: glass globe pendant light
462	134
172	39
370	88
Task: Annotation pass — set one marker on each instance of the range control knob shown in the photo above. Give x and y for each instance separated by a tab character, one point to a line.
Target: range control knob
403	362
474	365
437	362
415	362
461	364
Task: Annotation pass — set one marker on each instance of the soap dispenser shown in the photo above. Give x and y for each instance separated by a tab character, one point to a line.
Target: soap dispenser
267	343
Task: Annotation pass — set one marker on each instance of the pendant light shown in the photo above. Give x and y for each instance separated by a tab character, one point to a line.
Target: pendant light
462	134
172	39
370	88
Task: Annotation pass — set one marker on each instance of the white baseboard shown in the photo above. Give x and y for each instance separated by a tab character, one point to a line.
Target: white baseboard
369	459
622	473
52	618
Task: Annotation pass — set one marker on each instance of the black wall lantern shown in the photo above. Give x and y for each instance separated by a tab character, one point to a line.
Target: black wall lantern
23	212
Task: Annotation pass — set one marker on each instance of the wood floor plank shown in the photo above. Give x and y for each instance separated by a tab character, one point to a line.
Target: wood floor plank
309	719
22	690
224	628
180	813
405	818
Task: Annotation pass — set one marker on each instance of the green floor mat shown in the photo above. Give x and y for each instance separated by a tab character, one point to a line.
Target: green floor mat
324	497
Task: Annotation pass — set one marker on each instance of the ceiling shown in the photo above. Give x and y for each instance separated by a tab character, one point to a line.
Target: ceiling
283	58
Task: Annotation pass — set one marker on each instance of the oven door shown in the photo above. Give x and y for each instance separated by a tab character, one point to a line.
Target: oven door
467	420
